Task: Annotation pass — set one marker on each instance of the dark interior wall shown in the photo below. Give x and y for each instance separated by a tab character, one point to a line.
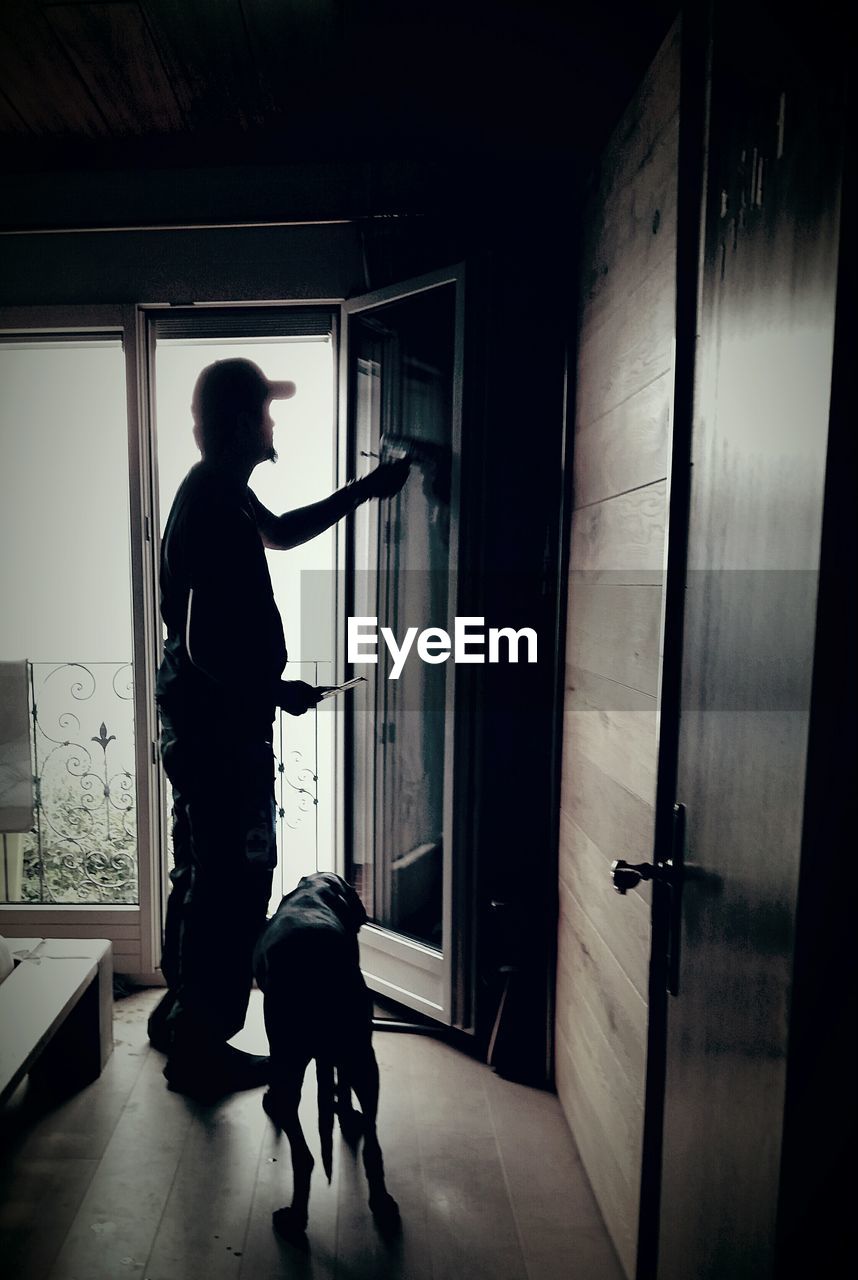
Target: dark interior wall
817	1191
302	230
181	266
190	260
298	230
517	454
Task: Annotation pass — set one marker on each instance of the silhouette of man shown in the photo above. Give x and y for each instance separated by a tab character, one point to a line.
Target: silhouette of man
218	689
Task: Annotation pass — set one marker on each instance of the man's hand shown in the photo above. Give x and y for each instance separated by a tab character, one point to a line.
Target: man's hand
387	479
296	696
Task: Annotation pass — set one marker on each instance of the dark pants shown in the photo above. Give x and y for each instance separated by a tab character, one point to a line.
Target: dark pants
224	854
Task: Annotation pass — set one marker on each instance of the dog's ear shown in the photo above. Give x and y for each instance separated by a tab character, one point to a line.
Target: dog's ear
354	907
342	897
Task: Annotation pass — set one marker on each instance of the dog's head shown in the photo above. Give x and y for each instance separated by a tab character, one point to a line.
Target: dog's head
339	896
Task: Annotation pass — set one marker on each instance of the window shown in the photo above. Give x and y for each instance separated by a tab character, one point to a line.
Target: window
66	591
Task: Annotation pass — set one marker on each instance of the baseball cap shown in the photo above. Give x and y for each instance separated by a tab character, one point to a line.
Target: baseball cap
228	386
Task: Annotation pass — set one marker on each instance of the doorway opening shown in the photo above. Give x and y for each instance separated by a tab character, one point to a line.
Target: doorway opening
306	441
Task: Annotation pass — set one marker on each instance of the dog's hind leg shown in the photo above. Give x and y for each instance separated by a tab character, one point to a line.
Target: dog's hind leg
364	1080
351	1120
282	1105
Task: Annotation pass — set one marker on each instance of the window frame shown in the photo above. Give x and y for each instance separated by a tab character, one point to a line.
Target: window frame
134	930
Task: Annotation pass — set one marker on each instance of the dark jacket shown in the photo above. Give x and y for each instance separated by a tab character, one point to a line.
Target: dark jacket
222	666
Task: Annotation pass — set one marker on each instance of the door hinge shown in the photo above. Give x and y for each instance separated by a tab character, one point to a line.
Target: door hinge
154	752
147	528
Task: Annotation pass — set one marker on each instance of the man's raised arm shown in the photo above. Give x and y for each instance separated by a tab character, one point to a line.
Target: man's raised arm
280	533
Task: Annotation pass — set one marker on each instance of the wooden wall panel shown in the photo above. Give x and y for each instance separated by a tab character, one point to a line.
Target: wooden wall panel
630	349
653	106
620	742
621	1016
584	869
612	636
617	821
626	447
624	392
595	1060
585	1101
629	245
622	538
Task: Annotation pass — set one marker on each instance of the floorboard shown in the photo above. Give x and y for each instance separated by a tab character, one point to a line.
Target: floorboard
128	1179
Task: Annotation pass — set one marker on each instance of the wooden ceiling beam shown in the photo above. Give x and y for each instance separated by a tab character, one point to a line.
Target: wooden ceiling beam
38	78
116	58
206	49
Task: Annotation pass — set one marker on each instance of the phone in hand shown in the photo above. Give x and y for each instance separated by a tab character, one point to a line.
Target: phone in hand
341	688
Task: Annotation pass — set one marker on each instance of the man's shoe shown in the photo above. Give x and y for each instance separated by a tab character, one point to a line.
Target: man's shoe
223	1071
245	1070
158	1028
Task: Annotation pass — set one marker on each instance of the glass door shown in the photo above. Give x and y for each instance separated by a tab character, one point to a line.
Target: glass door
402	374
73	727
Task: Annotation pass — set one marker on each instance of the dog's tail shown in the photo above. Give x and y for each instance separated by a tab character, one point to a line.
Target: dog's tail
325	1095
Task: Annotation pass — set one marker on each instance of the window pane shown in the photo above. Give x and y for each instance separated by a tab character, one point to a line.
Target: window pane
66	591
403	356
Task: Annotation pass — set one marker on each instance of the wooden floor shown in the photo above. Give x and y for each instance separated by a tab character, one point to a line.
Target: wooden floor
128	1179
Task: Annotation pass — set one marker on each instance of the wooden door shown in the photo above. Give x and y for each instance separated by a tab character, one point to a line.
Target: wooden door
734	741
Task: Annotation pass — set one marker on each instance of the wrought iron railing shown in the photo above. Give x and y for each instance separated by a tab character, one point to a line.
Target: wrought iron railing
296	754
296	785
82	849
303	785
83	846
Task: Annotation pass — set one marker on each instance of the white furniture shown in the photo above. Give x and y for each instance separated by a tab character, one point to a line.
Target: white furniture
56	1010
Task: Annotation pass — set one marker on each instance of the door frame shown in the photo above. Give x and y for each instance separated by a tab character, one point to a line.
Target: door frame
391	953
147	318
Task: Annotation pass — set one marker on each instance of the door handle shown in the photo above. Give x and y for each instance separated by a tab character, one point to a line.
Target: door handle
668	872
625	875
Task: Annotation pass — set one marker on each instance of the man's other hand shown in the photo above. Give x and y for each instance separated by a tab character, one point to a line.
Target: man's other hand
296	696
387	479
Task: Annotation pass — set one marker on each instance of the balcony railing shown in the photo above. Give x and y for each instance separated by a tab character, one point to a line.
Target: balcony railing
83	846
297	751
82	849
